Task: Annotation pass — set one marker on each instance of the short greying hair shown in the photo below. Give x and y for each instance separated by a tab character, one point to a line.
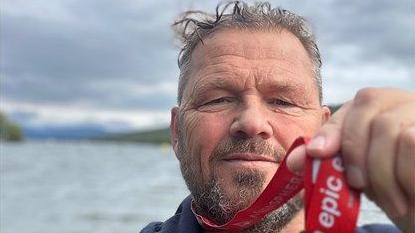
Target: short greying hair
193	26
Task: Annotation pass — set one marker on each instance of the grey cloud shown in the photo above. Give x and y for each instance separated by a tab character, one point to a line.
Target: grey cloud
51	61
380	30
61	51
87	93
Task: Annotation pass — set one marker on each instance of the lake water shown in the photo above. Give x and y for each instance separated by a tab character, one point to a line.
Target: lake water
84	187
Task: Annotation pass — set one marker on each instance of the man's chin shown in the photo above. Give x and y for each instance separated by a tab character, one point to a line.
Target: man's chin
223	197
243	183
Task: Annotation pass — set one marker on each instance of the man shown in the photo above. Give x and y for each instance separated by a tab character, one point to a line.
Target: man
250	85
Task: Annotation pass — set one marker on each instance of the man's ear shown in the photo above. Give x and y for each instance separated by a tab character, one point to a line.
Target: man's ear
173	128
325	114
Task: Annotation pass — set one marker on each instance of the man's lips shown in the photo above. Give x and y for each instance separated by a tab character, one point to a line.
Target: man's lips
249	157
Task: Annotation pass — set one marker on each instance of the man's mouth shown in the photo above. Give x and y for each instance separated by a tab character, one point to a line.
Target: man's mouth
249	158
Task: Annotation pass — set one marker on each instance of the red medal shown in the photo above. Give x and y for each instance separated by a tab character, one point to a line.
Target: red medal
331	206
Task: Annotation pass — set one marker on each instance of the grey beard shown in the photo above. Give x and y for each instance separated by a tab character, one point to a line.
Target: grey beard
277	220
213	201
222	208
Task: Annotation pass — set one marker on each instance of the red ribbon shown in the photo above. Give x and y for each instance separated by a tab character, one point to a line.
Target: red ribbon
330	205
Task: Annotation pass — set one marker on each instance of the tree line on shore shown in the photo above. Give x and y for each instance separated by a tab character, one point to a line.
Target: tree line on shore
9	131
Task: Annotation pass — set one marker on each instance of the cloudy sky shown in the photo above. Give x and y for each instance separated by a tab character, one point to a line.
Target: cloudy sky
74	62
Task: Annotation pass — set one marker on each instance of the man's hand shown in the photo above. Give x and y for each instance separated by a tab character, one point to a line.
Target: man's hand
375	133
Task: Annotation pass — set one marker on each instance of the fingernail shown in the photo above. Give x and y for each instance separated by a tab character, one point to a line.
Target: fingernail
355	177
317	143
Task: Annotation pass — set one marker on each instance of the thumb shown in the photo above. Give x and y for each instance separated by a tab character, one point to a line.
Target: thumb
296	160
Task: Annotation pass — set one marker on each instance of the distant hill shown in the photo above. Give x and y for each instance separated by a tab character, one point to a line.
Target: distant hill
64	132
155	136
148	136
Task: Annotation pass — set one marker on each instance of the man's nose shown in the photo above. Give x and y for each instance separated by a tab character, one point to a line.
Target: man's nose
252	121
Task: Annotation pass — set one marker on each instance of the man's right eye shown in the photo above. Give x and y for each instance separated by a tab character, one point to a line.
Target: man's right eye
221	100
218	104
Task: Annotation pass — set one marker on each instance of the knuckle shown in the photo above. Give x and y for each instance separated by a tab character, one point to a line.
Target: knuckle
351	149
365	96
348	146
383	123
348	138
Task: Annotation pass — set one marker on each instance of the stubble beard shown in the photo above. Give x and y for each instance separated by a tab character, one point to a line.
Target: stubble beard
211	198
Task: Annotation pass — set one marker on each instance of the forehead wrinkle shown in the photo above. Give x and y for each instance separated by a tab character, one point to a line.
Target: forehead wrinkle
287	75
278	74
278	65
224	78
222	53
221	57
266	84
227	82
256	50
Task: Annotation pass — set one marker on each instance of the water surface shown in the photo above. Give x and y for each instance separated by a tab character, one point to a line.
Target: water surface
84	187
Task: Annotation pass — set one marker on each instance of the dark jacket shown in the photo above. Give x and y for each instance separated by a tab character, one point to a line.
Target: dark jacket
184	221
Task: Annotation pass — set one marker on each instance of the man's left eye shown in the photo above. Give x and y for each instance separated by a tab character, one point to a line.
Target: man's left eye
280	102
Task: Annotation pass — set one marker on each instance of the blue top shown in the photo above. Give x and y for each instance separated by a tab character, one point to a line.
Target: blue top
184	221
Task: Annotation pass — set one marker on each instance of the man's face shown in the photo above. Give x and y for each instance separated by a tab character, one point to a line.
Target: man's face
250	94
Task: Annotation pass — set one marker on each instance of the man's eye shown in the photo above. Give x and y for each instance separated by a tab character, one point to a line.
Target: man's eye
220	100
280	102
